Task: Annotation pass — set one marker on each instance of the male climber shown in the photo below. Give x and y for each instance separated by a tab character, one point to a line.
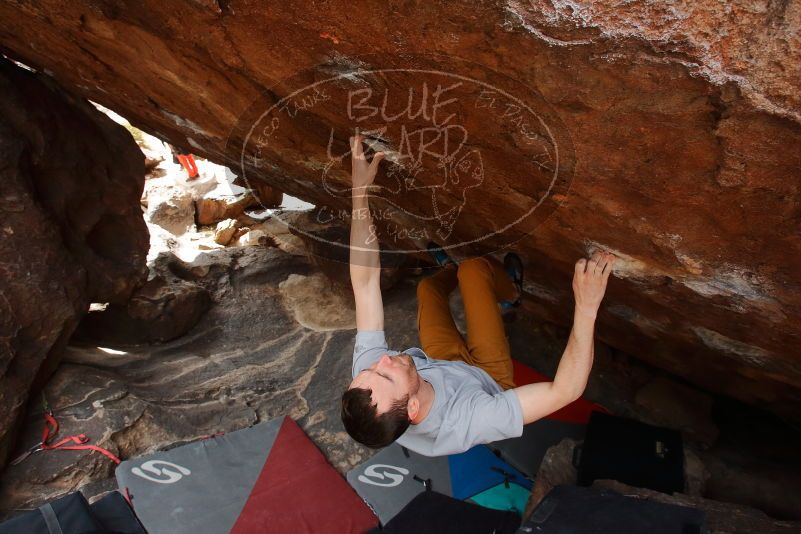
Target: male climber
453	394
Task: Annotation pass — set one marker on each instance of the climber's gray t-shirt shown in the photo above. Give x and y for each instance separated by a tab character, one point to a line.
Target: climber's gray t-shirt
469	406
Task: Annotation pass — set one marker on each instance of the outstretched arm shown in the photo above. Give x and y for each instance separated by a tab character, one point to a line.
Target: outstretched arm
365	265
589	285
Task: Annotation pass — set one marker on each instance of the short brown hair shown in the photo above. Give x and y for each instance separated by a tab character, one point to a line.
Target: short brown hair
361	419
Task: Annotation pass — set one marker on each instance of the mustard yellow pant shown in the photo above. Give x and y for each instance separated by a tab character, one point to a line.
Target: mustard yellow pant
483	283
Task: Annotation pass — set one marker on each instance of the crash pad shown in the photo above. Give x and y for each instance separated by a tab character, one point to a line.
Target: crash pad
394	476
266	478
579	510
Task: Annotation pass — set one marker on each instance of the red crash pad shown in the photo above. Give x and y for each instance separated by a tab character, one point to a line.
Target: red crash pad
299	492
575	412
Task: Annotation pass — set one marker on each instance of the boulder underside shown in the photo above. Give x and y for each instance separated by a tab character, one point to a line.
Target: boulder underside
670	136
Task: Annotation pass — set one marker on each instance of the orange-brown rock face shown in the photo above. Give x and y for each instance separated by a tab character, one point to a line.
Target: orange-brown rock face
668	134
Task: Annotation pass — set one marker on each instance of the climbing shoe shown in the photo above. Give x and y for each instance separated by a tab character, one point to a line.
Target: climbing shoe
513	266
439	255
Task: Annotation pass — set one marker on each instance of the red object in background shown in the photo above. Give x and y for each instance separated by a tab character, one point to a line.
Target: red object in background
575	412
188	163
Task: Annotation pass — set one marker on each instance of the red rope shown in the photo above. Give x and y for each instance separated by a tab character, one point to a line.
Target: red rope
80	441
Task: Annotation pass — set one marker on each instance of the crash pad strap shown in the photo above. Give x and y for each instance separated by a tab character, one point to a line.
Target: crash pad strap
50	519
79	442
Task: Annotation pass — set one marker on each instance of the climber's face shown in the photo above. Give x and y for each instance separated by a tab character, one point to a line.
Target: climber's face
390	379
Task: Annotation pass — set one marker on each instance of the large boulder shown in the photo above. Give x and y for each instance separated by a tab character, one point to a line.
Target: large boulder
170	206
225	231
670	135
163	308
212	209
71	231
